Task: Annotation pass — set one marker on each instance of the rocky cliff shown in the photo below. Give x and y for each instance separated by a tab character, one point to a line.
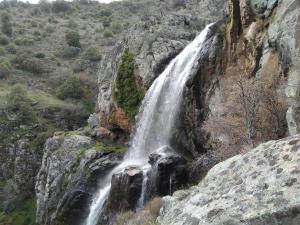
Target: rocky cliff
244	92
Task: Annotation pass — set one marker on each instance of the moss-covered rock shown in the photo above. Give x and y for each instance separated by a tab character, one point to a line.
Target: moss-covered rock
128	94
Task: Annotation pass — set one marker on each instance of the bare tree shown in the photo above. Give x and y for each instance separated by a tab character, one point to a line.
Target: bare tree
249	98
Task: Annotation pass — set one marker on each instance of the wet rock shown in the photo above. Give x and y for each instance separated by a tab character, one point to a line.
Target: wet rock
243	191
69	177
168	172
126	187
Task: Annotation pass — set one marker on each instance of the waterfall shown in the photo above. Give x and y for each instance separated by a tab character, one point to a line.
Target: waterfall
156	118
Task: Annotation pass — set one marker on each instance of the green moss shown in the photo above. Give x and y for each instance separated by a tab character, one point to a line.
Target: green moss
24	214
128	94
110	147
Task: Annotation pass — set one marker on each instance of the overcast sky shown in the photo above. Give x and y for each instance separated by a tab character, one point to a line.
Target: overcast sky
36	1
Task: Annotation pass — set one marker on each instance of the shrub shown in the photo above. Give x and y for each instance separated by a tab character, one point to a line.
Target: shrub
72	24
106	22
17	97
40	55
70	52
106	13
11	49
49	29
116	27
72	88
127	93
60	6
4	40
108	33
2	52
5	69
33	23
92	54
28	63
6	24
37	33
73	39
24	41
19	102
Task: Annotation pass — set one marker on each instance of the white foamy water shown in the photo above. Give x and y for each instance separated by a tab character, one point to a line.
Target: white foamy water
156	118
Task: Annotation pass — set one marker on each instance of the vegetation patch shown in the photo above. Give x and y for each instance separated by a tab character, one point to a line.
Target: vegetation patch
92	54
73	39
5	68
110	147
24	214
128	94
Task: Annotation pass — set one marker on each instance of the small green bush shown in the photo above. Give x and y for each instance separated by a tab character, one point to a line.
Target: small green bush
108	33
60	6
72	24
73	87
105	12
116	27
11	49
106	22
70	52
127	93
92	54
6	25
4	40
2	52
17	97
49	29
5	69
26	62
37	33
40	55
19	102
73	39
24	41
33	23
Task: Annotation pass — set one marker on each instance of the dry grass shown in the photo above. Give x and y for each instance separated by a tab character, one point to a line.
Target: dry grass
154	206
139	218
145	217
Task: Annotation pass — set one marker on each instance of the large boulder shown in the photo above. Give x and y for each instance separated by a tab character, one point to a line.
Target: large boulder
168	172
126	187
69	177
258	188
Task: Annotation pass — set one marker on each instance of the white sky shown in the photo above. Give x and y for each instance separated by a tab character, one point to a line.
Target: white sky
36	1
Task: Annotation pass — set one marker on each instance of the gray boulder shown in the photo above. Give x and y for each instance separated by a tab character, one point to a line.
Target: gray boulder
258	188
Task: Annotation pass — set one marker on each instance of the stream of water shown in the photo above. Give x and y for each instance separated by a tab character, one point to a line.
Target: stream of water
155	120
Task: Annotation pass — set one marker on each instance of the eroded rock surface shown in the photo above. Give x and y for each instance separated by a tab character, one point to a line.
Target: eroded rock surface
258	188
69	177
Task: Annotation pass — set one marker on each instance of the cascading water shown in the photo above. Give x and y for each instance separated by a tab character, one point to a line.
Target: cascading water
155	120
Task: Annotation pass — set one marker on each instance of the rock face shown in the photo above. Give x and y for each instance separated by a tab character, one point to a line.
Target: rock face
258	188
68	178
154	41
